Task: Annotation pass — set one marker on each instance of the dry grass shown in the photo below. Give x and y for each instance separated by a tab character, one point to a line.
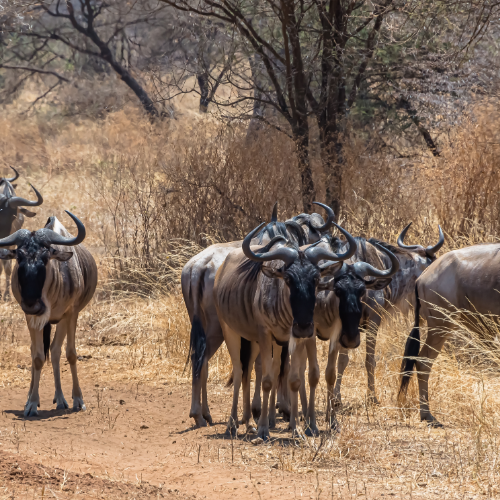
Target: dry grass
151	196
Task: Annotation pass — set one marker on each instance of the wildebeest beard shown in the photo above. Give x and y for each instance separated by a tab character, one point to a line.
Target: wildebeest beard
302	278
350	289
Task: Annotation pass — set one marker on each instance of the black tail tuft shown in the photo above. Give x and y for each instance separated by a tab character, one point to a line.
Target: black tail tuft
412	348
197	346
283	365
46	339
245	353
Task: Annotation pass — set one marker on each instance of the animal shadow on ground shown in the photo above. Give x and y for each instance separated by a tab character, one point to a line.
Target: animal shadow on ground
42	414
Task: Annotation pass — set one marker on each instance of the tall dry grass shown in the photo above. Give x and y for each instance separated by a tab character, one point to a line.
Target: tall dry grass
153	196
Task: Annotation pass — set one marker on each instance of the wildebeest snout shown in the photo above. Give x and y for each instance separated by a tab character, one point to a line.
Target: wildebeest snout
350	342
302	331
33	307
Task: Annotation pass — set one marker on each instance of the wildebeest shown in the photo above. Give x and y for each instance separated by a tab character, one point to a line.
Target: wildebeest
463	282
197	281
268	304
12	214
398	295
52	283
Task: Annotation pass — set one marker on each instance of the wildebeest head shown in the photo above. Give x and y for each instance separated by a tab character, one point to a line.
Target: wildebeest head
12	206
429	252
33	252
349	284
301	274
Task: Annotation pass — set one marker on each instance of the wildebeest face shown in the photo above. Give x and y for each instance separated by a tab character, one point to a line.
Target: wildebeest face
32	259
350	290
301	278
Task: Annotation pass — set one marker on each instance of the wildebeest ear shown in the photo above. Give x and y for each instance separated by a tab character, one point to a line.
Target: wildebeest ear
14	186
378	284
6	254
27	212
326	285
59	255
271	272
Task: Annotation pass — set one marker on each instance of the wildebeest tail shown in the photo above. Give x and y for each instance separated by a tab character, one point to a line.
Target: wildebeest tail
284	361
197	346
245	354
46	339
412	348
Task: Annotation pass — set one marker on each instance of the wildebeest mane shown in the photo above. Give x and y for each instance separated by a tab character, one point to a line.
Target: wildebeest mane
389	247
272	229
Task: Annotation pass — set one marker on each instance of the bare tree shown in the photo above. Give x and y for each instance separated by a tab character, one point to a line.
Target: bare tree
312	58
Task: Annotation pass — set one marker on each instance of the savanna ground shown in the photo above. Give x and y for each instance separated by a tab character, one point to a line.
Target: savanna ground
150	202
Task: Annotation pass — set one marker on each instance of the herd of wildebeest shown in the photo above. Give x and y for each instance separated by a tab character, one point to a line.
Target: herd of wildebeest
269	297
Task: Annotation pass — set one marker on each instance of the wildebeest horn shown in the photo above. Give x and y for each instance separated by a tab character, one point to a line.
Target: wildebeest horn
402	237
432	250
274	215
17	201
318	253
330	219
286	254
15	238
364	269
57	239
15	176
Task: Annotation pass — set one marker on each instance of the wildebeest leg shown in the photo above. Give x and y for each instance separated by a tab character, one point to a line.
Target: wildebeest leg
265	345
428	353
342	361
257	401
283	396
247	413
302	389
330	376
312	356
55	355
298	359
7	264
276	372
32	347
37	359
214	341
371	329
233	343
69	324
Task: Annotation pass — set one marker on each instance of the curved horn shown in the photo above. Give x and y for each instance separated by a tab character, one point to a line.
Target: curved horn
330	219
15	238
286	254
300	233
17	201
364	269
402	237
432	250
15	176
57	239
319	253
274	215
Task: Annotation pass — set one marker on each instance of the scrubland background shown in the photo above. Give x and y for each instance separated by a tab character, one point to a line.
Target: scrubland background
154	193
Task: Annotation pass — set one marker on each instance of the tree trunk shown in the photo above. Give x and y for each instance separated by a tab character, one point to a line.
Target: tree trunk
307	184
204	91
333	164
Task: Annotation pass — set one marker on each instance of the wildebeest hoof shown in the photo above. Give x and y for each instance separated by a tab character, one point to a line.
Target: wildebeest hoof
61	402
251	429
286	416
199	421
272	423
298	434
312	431
263	433
31	409
432	422
78	404
208	419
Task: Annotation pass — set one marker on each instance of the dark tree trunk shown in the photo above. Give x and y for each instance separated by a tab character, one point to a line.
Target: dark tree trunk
333	164
307	184
204	92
